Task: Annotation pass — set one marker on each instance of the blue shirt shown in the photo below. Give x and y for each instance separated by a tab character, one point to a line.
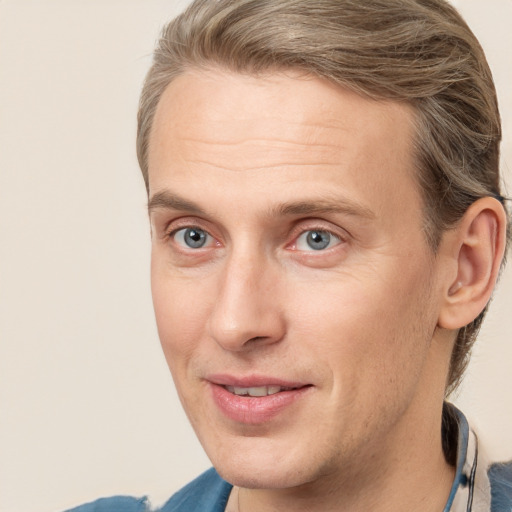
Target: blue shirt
479	485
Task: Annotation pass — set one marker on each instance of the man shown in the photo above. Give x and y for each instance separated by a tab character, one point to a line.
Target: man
327	229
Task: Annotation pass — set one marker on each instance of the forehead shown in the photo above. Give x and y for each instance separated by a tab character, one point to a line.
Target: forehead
217	102
283	131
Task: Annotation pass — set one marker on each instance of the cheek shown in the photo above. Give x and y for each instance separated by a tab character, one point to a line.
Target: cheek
180	315
365	329
180	321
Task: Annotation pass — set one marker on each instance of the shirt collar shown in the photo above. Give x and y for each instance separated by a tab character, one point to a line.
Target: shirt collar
470	491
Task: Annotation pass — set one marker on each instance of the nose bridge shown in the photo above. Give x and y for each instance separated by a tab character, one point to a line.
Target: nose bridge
246	308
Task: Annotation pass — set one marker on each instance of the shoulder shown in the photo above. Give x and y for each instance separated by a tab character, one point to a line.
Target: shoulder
114	504
207	493
500	478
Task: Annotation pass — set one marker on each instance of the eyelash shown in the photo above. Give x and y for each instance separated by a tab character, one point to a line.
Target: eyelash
173	233
308	232
296	235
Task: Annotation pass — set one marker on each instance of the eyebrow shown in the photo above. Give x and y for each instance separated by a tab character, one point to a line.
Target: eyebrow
170	201
323	206
167	201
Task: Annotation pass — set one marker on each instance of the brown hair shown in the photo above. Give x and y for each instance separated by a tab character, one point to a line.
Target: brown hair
418	51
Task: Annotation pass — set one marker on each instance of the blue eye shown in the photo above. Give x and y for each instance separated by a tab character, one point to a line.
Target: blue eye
192	238
316	240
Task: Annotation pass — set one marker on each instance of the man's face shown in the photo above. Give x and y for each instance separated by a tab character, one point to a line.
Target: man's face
288	260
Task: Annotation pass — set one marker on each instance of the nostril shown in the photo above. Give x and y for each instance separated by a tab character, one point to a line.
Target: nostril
257	338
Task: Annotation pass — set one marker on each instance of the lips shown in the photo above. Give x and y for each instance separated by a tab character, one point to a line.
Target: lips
254	400
257	390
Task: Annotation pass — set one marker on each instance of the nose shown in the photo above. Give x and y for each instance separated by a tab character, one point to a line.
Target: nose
247	312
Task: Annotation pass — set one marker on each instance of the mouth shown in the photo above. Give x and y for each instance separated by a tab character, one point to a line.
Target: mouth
258	391
256	400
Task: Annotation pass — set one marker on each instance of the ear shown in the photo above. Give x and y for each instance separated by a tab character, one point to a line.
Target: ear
476	247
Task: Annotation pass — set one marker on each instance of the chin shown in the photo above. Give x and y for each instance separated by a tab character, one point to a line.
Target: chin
272	477
263	465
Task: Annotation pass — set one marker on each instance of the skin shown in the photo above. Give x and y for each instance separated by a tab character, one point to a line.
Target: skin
357	321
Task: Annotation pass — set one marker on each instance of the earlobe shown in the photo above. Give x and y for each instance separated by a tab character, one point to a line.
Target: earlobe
477	247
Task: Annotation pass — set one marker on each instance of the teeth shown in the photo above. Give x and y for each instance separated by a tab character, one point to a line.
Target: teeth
260	391
256	391
272	390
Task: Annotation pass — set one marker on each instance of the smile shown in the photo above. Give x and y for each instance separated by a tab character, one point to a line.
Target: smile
257	391
253	401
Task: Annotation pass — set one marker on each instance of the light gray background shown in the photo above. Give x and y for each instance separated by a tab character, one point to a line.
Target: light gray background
87	407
